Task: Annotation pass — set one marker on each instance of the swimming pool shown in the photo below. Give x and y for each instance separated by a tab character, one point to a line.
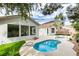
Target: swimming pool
46	46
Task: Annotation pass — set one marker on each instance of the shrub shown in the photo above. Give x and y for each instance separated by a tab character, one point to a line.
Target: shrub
77	37
76	26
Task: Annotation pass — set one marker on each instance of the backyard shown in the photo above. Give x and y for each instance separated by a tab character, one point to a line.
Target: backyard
56	22
11	49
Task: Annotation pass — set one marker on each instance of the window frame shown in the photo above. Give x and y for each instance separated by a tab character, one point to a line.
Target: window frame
28	30
8	29
32	30
53	30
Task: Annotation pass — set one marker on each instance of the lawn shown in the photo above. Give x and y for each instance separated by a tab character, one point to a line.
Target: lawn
11	49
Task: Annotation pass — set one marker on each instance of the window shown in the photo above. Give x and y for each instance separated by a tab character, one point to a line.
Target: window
24	30
13	30
32	30
52	30
47	31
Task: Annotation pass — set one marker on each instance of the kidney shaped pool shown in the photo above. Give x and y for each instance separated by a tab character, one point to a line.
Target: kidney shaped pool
46	46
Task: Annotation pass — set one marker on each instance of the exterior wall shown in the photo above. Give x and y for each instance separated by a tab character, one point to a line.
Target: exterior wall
47	25
43	31
3	33
15	20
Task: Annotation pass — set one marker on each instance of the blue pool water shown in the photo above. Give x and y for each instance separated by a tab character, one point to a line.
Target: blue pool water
46	46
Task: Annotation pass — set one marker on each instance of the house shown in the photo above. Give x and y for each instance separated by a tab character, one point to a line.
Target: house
47	28
13	28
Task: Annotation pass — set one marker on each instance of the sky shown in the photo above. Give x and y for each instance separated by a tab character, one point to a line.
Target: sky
39	17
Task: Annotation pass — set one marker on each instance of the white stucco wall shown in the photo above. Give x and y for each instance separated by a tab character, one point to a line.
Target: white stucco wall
16	20
43	31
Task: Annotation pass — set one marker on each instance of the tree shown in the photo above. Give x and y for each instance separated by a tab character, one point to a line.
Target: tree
22	9
76	26
50	8
58	21
60	16
73	12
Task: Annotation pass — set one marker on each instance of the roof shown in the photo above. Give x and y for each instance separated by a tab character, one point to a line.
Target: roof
4	17
34	21
47	22
47	25
14	16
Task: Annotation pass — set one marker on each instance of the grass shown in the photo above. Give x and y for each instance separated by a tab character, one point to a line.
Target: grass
11	49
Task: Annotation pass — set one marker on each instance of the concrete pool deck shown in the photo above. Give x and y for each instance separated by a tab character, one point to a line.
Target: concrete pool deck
65	48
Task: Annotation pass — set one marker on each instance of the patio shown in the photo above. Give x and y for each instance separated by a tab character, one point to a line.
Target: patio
65	48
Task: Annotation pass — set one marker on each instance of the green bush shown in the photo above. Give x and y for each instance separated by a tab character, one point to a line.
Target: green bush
11	49
63	34
77	36
70	39
76	26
